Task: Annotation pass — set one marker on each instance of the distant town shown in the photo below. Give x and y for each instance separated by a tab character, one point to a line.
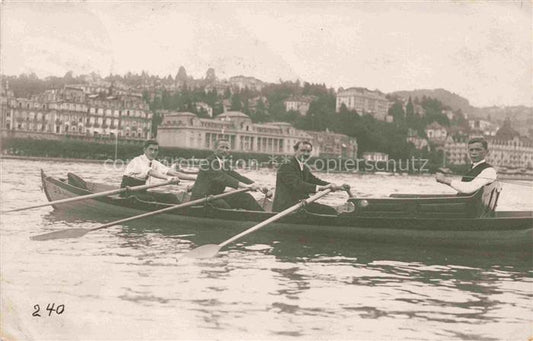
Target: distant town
259	117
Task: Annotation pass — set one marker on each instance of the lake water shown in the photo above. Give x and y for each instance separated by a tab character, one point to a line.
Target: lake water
124	283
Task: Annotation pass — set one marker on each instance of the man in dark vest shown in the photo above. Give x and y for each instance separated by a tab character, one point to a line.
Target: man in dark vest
141	168
216	174
481	173
294	182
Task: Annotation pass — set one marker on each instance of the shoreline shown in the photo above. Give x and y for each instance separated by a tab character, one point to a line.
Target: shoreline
46	158
59	159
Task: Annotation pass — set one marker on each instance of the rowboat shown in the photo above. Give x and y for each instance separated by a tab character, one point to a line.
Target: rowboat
413	220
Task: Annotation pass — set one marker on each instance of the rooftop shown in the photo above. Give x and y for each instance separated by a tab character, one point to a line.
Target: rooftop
229	114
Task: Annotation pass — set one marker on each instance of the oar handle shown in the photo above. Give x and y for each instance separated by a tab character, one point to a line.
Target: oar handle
94	195
349	192
171	208
277	216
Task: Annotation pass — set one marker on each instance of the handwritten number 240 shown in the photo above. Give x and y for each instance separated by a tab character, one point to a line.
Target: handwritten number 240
50	307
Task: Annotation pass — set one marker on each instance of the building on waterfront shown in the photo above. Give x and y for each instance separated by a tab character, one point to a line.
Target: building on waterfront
515	152
335	145
186	130
456	150
74	112
299	103
364	101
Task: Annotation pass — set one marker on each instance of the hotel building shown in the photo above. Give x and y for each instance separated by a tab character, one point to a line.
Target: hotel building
186	130
71	111
364	101
510	153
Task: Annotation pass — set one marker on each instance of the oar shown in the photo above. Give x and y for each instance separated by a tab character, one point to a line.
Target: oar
80	232
94	195
210	250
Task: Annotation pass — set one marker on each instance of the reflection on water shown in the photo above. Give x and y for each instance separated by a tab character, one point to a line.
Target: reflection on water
273	284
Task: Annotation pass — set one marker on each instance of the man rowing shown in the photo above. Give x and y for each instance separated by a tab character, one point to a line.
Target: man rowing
141	168
481	173
216	175
294	182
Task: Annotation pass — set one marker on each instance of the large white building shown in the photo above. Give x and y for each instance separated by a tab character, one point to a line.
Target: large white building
509	153
72	111
364	101
186	130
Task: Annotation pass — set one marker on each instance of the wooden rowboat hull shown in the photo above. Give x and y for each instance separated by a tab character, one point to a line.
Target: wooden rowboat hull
507	230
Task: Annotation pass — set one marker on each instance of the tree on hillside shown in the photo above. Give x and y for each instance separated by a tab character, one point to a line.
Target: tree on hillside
409	110
261	113
396	111
433	109
236	103
227	93
218	108
319	116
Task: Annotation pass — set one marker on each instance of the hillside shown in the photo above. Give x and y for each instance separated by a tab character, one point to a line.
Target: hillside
450	99
521	117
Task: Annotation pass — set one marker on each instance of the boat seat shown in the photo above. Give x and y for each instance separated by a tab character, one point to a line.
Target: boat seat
489	199
76	181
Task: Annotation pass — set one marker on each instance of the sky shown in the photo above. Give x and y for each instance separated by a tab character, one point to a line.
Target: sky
481	50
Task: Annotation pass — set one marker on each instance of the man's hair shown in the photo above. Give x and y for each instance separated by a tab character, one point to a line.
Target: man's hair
217	142
297	144
149	143
479	140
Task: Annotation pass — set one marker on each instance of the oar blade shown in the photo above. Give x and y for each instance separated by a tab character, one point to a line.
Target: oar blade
70	233
204	251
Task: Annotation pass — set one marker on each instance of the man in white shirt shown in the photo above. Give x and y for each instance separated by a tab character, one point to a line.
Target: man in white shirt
481	173
141	168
